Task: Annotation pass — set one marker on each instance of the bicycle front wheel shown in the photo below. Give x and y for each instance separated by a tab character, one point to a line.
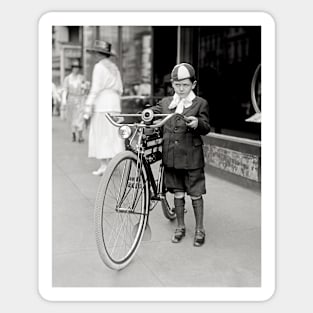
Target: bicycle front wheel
121	210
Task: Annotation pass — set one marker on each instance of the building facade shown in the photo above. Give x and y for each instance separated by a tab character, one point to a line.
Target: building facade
225	59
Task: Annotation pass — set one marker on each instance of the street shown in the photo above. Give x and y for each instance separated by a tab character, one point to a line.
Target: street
230	257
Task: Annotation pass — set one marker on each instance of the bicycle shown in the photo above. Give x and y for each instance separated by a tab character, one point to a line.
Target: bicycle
128	190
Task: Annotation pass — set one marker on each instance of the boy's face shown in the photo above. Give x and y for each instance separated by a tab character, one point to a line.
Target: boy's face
183	87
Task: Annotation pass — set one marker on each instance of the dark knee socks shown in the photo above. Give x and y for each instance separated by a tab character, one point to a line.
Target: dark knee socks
179	204
198	210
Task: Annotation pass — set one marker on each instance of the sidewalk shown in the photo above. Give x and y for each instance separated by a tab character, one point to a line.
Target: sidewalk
231	256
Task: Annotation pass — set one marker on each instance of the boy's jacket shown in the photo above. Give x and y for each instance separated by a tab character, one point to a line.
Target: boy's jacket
182	146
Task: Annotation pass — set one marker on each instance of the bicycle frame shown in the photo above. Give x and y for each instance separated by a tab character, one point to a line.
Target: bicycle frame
155	185
147	116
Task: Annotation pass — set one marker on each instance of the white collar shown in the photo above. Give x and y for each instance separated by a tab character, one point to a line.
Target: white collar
187	102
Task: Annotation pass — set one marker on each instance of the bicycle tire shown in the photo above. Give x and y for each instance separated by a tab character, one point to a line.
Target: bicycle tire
168	212
253	85
113	217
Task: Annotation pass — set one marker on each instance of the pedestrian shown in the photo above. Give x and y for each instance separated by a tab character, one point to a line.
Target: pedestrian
74	88
104	96
56	99
182	148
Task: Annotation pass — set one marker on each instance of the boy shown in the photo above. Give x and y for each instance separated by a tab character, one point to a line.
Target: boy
182	148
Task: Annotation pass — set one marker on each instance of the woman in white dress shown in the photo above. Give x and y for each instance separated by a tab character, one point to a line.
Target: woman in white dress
56	99
104	96
74	87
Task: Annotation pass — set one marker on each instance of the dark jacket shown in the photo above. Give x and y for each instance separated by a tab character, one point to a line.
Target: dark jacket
182	146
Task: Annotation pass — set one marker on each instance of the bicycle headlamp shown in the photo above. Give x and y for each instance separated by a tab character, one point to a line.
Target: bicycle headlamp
125	131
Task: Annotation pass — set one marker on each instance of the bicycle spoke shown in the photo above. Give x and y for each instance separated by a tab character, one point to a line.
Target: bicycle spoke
122	238
117	237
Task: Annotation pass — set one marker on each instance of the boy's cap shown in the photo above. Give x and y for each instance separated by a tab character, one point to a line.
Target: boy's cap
183	71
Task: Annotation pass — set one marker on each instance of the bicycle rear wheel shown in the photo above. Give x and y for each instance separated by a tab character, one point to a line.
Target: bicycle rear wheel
168	212
121	210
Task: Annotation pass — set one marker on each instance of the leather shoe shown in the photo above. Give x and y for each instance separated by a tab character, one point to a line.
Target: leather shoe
199	238
100	171
178	235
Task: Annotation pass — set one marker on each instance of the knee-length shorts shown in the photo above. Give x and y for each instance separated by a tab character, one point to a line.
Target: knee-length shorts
190	181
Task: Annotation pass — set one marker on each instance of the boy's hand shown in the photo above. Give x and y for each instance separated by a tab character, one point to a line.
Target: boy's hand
191	121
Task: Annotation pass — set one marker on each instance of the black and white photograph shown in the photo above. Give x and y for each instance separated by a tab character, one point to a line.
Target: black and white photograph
157	156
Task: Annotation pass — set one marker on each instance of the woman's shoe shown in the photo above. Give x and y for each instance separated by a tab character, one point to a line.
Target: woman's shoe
199	238
100	171
178	235
80	140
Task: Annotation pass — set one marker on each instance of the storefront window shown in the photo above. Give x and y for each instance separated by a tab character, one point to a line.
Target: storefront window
136	55
226	61
164	58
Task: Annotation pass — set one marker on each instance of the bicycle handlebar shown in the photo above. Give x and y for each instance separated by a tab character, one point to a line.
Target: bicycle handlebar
147	115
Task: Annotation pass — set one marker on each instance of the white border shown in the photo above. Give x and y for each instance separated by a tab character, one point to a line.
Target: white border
268	238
